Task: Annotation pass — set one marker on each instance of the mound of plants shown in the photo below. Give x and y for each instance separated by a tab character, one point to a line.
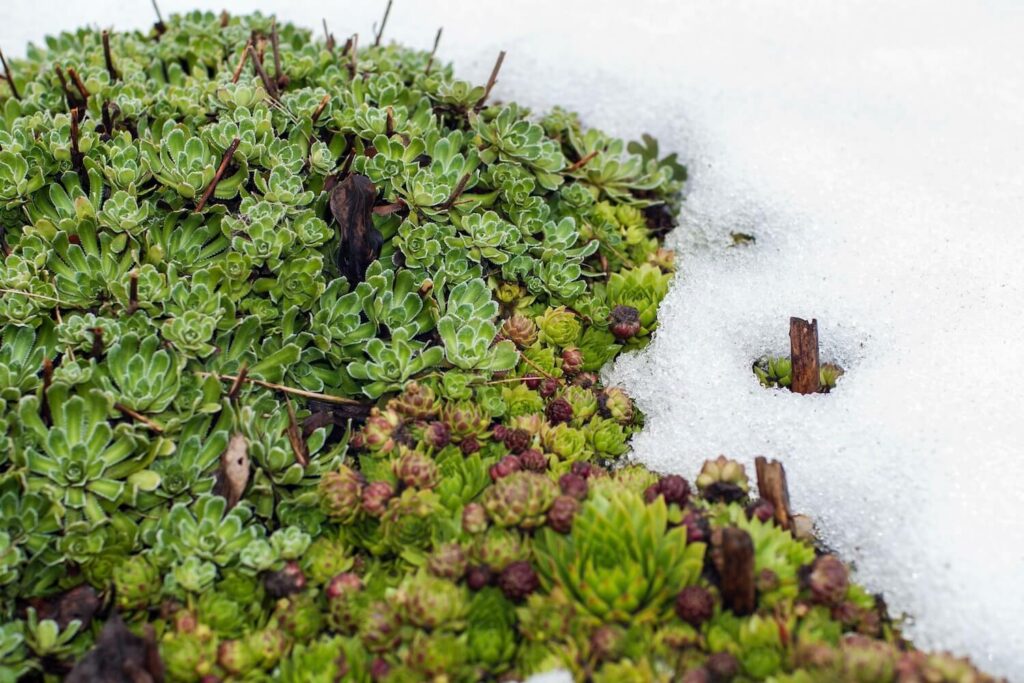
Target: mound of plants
298	382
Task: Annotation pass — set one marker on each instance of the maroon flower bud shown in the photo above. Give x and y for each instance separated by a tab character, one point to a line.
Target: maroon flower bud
723	667
582	468
357	441
585	379
548	387
286	581
828	580
479	576
766	581
474	518
606	641
697	528
376	497
698	675
437	435
558	411
695	605
500	432
573	485
379	669
675	489
761	509
652	492
533	460
518	580
562	512
345	583
624	322
517	440
469	445
572	360
505	467
532	381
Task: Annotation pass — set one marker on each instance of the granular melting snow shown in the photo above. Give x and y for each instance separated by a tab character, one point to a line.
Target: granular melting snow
874	150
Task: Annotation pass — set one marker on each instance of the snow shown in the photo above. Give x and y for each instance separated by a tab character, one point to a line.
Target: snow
874	150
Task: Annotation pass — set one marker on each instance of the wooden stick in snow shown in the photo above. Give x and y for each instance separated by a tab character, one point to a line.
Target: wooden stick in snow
803	350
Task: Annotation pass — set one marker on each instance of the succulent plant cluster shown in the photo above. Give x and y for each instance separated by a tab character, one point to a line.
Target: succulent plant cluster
298	346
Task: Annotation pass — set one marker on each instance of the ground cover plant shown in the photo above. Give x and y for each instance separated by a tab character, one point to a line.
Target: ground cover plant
298	381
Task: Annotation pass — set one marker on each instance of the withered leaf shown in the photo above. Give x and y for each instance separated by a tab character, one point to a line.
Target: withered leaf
352	207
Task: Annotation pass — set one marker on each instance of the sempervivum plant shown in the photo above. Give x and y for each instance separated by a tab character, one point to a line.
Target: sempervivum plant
299	355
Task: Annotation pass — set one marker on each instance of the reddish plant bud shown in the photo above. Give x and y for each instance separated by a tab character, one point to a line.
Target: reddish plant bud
437	435
518	580
285	582
558	411
474	518
517	440
345	583
532	381
548	387
533	460
695	605
624	322
562	512
761	509
505	467
469	445
573	485
479	576
572	360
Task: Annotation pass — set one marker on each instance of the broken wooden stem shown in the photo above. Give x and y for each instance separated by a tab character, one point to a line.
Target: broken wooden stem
108	57
9	76
79	85
241	63
320	107
97	342
76	152
160	26
383	23
772	486
737	571
230	152
133	293
328	38
353	48
803	350
492	80
275	42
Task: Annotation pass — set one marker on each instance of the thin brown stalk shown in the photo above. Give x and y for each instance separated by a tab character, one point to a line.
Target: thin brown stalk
31	295
97	342
280	79
456	193
328	38
9	76
437	41
321	107
581	163
383	23
160	26
492	80
241	62
389	122
139	417
79	85
270	86
76	152
108	57
299	447
326	398
236	386
537	368
353	49
225	160
68	95
133	293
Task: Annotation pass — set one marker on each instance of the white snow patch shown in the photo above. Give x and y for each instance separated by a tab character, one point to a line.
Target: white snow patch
874	150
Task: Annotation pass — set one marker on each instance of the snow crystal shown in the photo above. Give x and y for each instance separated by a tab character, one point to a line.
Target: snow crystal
873	148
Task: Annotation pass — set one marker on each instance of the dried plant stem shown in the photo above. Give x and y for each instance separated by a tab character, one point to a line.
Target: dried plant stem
295	435
108	57
326	398
492	80
430	60
220	174
139	417
33	295
241	63
328	38
268	84
320	107
383	23
236	386
133	293
538	368
280	80
79	85
456	193
160	26
803	347
9	76
581	163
